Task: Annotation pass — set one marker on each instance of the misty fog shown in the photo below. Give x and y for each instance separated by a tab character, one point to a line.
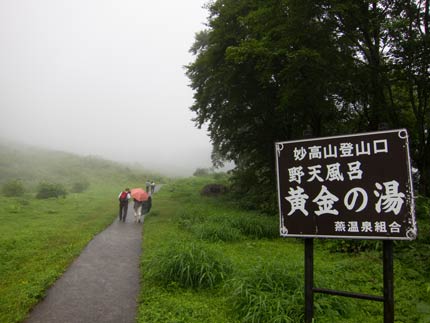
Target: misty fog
103	78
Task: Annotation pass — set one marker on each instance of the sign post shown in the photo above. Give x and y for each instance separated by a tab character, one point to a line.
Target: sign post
309	279
350	187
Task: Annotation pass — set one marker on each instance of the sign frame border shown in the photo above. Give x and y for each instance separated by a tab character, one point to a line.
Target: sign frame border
413	231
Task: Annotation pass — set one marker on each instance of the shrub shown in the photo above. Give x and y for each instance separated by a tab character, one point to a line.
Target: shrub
13	188
190	265
47	190
80	186
422	207
219	176
213	190
201	172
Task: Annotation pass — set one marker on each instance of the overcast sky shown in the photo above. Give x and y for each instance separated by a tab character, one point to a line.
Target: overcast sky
102	77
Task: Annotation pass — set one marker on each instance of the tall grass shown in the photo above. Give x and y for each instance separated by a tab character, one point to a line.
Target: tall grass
271	292
217	232
265	283
39	240
41	237
257	226
233	226
189	265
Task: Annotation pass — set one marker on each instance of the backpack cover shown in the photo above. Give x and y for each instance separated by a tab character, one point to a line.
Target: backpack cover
123	196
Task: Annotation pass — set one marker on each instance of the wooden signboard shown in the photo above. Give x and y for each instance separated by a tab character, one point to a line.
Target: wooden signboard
357	186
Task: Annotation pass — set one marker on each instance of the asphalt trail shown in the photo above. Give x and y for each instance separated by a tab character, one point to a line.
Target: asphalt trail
102	284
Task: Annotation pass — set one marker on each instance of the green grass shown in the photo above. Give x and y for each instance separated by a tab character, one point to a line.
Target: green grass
203	259
40	238
190	265
265	283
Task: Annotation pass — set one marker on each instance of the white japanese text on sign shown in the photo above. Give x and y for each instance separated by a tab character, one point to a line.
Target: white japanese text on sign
340	186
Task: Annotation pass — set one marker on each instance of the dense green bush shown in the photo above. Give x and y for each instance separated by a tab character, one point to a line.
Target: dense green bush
220	175
422	207
13	188
213	189
250	192
190	265
201	172
47	190
80	186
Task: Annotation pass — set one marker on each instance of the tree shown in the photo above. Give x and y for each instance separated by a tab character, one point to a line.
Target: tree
389	40
266	70
13	188
201	172
48	190
260	76
410	36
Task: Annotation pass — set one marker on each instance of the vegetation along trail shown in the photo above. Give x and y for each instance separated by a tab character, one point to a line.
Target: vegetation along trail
198	258
102	284
207	259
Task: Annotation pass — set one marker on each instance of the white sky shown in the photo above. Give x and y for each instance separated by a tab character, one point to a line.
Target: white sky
102	77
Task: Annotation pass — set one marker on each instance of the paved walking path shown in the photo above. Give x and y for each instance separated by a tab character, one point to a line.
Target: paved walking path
102	284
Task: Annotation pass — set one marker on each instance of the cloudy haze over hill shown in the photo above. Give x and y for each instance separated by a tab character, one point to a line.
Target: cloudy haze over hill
102	78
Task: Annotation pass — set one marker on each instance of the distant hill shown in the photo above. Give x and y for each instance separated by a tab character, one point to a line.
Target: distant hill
33	165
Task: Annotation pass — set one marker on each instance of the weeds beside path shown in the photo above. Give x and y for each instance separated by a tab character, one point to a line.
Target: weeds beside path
205	260
39	240
102	284
169	303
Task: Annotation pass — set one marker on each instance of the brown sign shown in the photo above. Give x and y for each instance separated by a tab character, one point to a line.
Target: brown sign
356	186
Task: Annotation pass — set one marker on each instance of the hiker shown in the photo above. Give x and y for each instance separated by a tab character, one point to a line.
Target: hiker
152	187
148	185
137	208
123	197
146	207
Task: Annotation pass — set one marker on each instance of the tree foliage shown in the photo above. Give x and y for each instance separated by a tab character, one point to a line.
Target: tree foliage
80	186
13	188
48	190
267	70
201	172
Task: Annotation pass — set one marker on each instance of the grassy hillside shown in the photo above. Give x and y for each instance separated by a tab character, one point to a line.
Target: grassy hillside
41	237
205	260
33	165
